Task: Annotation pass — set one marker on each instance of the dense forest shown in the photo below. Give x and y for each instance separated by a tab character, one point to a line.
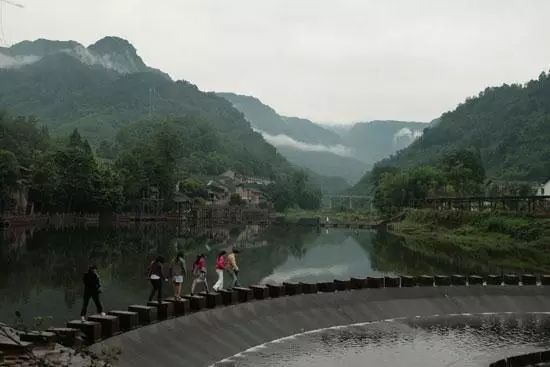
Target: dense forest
63	174
509	126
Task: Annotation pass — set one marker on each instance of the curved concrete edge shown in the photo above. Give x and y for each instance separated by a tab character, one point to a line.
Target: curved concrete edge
203	338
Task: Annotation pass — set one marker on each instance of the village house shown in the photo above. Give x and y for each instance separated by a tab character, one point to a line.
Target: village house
544	189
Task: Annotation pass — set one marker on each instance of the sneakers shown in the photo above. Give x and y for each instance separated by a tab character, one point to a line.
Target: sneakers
103	314
82	318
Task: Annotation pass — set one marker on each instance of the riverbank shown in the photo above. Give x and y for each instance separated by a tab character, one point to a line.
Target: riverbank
502	240
295	216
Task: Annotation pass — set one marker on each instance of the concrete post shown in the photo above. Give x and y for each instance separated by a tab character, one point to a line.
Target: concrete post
228	297
244	294
407	281
326	287
292	289
494	279
425	281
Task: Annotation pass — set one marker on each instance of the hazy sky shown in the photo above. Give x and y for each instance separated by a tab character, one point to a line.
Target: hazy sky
331	61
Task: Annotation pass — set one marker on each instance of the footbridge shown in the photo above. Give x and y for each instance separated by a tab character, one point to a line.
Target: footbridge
204	329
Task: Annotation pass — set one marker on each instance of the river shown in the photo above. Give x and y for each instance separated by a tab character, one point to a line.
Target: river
42	267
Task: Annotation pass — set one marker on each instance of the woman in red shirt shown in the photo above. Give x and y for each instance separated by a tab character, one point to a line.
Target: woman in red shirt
220	267
199	273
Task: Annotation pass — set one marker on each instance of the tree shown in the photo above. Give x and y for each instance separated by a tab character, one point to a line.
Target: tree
9	173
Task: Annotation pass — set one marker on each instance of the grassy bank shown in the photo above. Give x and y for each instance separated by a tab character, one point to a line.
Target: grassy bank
510	242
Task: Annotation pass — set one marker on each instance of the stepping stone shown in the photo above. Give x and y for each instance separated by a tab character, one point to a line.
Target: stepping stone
326	287
375	282
458	279
342	285
358	283
529	279
90	329
277	290
109	324
229	297
260	291
146	314
511	279
494	279
407	281
392	282
475	280
442	280
545	279
165	310
292	289
38	337
196	302
244	294
213	299
65	336
309	288
425	280
181	306
127	320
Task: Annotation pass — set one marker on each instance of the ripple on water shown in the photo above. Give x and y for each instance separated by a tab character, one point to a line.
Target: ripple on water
458	340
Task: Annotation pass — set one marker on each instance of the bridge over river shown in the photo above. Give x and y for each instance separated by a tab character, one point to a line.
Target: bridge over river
252	317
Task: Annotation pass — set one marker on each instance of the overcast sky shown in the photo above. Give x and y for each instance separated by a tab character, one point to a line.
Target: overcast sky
332	61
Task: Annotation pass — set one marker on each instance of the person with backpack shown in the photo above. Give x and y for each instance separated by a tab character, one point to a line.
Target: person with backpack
233	268
199	273
156	276
92	289
177	272
220	267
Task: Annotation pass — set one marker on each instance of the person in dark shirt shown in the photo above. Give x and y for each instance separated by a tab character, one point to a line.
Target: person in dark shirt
156	276
92	289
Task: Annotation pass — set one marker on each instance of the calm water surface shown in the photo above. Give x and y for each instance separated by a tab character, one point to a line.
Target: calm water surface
461	340
41	269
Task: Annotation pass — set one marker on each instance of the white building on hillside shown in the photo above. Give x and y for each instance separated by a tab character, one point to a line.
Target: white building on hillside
544	189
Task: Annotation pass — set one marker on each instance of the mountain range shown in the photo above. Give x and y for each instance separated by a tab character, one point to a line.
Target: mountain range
344	152
105	87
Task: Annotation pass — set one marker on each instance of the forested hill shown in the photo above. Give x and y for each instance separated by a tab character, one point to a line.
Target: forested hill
103	88
304	143
509	126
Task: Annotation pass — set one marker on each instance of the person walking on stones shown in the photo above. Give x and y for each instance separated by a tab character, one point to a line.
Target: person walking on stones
92	289
199	273
177	272
220	267
233	268
156	276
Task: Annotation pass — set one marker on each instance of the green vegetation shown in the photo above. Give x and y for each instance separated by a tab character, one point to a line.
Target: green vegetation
457	174
509	126
64	175
511	242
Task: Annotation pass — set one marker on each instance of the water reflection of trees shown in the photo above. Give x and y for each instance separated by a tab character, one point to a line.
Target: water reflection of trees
392	254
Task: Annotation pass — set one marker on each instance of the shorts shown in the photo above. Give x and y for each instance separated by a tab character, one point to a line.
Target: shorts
178	278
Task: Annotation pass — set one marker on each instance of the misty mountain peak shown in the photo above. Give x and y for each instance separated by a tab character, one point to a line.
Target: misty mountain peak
112	53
